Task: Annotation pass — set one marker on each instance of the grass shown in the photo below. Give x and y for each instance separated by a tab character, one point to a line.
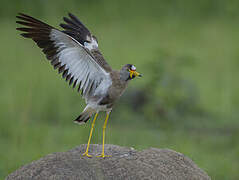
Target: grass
37	107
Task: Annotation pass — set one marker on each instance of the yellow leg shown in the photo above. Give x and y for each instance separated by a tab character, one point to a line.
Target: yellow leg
103	144
91	131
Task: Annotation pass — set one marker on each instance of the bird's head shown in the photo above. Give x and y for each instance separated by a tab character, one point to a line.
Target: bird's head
129	72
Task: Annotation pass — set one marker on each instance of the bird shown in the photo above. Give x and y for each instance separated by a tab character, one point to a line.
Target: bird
74	52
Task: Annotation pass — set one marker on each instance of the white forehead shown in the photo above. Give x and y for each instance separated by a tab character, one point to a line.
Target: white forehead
133	68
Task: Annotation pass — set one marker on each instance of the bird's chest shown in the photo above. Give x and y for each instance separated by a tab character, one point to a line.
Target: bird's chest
117	89
114	92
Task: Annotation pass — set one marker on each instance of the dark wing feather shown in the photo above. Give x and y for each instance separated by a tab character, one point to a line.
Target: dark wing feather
39	32
76	29
76	63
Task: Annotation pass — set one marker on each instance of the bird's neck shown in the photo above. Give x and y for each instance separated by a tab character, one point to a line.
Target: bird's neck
124	77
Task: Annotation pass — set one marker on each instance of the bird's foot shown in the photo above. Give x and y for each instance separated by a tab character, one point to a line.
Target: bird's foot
103	155
86	154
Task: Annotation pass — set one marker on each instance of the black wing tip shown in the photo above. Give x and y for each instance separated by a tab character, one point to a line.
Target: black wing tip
66	19
27	20
21	15
18	22
71	14
20	28
76	20
25	35
18	16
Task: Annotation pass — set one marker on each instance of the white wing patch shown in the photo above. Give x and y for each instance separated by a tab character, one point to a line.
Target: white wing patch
92	45
80	64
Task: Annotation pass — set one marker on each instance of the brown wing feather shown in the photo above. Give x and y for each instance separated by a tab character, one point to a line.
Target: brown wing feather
39	32
100	60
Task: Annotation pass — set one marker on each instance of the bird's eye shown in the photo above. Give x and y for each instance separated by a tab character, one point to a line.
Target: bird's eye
133	68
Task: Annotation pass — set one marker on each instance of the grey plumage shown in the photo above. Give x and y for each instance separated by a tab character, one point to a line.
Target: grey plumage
74	52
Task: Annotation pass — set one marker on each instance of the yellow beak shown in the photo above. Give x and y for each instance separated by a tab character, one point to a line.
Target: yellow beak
134	73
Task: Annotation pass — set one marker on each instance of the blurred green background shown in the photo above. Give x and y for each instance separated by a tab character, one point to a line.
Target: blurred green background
187	100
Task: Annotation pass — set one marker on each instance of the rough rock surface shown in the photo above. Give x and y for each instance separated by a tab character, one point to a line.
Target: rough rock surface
125	163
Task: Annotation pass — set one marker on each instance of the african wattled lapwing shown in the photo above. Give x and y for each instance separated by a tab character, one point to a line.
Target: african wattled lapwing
74	52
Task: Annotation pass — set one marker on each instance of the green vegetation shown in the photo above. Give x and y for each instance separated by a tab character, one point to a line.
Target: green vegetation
188	53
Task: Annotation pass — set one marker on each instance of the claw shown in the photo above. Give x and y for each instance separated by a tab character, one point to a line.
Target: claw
86	154
103	155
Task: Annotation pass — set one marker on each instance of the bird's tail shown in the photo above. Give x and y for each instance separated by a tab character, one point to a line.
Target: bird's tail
85	115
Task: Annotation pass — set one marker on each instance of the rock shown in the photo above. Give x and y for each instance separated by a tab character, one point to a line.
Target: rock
125	163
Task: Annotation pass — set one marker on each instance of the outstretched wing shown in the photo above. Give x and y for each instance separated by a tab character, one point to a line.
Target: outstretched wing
76	29
74	60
